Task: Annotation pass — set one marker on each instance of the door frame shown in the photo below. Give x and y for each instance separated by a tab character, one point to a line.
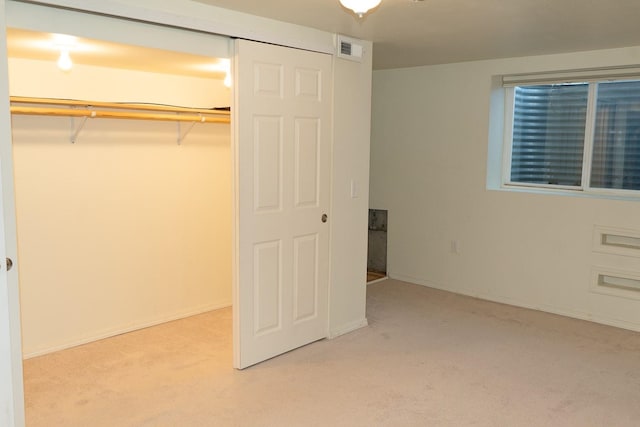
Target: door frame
11	382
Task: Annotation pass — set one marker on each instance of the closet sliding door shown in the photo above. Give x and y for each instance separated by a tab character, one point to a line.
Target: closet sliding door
283	145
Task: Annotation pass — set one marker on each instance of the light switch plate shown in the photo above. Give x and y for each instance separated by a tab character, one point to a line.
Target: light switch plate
354	190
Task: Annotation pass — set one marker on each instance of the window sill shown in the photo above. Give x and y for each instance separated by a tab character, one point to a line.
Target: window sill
612	195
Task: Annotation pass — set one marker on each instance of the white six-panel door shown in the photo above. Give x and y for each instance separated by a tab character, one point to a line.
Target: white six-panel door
282	147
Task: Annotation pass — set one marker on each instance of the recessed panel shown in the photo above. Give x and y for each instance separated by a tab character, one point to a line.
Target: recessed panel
307	166
305	253
267	163
267	80
268	286
615	282
308	84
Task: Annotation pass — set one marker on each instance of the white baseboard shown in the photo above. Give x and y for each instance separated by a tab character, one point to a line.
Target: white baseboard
576	314
349	327
123	330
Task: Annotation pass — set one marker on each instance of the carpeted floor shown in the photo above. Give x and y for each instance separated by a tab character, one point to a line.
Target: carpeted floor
428	358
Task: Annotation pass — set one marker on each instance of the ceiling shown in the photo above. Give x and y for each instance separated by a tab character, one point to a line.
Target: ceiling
409	33
46	46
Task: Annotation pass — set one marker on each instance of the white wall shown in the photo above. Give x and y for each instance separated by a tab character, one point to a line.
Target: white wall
349	216
124	228
429	169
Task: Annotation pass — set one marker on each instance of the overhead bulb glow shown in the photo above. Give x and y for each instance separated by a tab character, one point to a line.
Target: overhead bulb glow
227	80
64	61
360	7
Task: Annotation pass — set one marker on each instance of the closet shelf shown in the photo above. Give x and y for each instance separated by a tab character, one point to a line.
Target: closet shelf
108	110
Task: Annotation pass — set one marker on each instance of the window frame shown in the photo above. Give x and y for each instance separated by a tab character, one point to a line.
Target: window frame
590	122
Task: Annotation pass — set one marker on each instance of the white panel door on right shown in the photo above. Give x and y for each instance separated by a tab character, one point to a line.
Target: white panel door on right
283	140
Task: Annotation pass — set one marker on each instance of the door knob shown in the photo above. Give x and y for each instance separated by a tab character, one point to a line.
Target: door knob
324	217
9	264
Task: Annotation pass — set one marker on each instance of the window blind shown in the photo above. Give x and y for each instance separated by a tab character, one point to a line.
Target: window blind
548	134
616	142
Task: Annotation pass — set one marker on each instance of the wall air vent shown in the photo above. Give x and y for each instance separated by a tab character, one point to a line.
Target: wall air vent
349	48
345	48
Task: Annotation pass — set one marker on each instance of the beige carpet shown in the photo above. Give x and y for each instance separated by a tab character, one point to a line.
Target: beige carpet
428	358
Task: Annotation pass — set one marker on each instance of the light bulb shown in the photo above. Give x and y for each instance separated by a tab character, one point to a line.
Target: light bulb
64	61
360	7
227	80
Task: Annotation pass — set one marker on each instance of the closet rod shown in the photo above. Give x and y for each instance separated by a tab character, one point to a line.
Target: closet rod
118	105
103	114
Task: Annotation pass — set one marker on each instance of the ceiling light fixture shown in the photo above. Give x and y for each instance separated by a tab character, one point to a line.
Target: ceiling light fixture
65	44
360	7
64	61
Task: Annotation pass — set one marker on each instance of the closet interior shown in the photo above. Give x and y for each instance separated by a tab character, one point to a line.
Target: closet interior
122	167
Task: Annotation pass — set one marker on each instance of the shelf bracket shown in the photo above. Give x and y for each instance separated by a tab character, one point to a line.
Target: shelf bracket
183	135
75	131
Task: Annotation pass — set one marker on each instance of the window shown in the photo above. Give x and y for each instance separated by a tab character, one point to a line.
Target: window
616	137
581	136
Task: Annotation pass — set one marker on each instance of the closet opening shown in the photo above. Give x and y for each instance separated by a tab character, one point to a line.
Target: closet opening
123	182
377	246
